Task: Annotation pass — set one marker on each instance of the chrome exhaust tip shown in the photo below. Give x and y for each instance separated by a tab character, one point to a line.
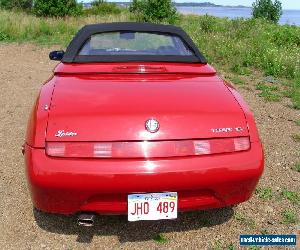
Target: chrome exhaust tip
86	220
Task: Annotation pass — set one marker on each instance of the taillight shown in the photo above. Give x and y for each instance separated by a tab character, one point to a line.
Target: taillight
147	149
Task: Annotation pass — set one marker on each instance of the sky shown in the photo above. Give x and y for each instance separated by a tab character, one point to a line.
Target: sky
287	4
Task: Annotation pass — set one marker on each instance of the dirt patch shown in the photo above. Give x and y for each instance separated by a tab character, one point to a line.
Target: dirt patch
23	69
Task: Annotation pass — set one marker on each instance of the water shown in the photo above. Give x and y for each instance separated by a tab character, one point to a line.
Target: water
289	16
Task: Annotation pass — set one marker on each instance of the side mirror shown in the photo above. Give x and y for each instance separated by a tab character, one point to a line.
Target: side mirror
56	55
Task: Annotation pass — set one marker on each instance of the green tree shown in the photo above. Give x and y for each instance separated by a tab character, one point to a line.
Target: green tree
102	7
16	4
267	9
137	6
98	2
57	8
154	10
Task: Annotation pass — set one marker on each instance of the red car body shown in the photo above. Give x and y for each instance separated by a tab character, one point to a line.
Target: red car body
107	104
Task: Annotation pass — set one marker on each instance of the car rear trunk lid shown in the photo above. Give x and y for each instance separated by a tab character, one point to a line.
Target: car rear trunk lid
115	107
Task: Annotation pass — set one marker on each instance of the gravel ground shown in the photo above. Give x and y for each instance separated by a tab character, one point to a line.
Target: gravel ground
23	69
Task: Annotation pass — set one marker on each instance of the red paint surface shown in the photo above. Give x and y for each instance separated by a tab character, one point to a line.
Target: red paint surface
111	102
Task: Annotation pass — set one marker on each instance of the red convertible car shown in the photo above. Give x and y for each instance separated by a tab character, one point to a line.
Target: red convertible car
135	121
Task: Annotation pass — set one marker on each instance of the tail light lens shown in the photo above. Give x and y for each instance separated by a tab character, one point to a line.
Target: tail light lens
147	149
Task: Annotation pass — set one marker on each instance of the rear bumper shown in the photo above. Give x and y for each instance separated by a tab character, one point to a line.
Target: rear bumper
69	185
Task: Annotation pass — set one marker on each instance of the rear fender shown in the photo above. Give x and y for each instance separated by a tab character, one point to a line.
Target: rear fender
38	119
253	132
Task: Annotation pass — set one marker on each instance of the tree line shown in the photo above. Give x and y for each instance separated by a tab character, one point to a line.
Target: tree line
144	10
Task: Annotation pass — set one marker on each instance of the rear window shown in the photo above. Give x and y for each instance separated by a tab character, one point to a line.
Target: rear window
134	43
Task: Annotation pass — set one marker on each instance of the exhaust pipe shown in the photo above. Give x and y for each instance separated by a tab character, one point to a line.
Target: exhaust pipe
86	220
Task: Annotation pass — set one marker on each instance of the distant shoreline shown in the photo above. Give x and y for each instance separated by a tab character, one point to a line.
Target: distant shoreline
209	5
217	6
291	17
189	4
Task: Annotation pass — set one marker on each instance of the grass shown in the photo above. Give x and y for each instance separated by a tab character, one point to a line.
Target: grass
254	248
242	43
244	220
160	238
240	70
293	92
230	247
237	80
218	246
296	167
297	122
269	93
291	196
264	193
289	217
239	45
21	27
296	137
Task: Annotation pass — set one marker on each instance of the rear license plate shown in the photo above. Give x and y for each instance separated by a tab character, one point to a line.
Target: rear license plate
152	206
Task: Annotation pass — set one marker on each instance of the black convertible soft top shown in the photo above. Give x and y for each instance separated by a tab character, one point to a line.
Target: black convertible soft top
71	55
